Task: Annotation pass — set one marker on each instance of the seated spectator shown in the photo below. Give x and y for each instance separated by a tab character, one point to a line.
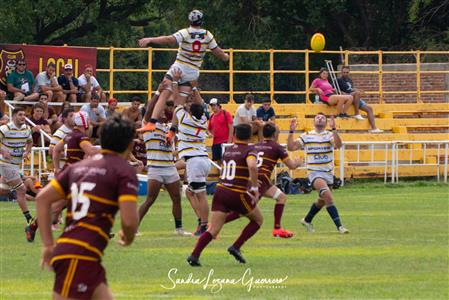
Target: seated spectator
266	112
246	114
97	114
139	153
69	84
220	127
46	83
347	87
37	117
49	113
88	84
133	112
21	83
112	107
323	88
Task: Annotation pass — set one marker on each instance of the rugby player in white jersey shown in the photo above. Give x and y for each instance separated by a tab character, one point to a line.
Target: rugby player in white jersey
193	43
319	145
15	145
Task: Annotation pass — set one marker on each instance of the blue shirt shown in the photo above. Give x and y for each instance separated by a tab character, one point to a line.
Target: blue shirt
265	115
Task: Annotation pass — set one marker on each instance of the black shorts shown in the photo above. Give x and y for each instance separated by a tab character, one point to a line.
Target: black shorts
217	152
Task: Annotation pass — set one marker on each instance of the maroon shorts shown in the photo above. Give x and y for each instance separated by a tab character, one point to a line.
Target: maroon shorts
77	278
264	186
226	201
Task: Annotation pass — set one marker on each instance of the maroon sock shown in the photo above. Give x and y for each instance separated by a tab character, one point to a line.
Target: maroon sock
232	216
246	234
278	210
203	241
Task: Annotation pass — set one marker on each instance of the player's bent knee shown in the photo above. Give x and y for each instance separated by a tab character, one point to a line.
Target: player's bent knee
323	191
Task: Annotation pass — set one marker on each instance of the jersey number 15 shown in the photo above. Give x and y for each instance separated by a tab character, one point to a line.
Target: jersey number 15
78	197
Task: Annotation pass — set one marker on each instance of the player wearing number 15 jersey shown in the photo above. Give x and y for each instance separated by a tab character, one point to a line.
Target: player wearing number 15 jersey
238	172
193	43
268	154
95	188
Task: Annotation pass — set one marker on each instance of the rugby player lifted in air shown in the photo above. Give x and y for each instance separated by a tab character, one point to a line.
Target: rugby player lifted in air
95	189
193	43
268	154
319	145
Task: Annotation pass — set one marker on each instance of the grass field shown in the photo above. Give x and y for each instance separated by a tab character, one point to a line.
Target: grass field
397	248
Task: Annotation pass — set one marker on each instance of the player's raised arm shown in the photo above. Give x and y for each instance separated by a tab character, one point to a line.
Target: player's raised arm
219	53
337	140
161	40
292	164
292	145
196	93
89	149
56	155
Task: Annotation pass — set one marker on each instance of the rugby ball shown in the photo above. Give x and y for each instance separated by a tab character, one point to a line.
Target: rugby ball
317	42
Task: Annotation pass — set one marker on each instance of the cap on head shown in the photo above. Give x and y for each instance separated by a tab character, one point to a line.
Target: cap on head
68	67
112	100
196	17
81	119
213	101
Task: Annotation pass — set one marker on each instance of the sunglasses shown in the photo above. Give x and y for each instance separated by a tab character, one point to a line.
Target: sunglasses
21	64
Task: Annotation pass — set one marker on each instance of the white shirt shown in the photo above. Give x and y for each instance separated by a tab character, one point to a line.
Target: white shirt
82	81
243	112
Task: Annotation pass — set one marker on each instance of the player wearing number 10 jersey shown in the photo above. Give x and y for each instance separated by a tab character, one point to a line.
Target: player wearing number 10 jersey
232	194
193	43
268	154
96	188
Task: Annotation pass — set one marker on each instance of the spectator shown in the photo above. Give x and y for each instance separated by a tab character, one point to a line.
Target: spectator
21	83
266	112
169	110
220	126
347	87
133	112
2	104
69	84
47	83
112	106
49	113
37	117
96	112
324	90
89	84
247	114
139	151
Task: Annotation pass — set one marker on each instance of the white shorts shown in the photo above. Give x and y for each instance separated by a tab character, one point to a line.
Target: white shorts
163	175
197	169
188	73
9	172
328	177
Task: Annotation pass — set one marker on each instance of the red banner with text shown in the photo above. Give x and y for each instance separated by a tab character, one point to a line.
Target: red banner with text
37	58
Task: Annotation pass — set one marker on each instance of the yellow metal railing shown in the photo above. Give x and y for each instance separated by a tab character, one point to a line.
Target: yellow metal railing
272	71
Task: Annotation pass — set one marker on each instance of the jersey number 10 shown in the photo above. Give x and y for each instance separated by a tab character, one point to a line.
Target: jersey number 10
78	197
228	171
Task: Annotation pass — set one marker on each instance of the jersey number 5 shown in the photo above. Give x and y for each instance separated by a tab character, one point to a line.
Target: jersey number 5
196	46
228	171
78	197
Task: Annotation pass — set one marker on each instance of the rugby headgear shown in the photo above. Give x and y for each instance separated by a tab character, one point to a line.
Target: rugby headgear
196	17
81	119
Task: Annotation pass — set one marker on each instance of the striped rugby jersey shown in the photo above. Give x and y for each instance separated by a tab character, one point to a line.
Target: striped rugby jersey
14	140
319	149
58	136
158	153
191	134
193	44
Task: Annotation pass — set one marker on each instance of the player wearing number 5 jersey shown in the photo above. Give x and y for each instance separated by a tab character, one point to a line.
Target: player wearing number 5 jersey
95	188
193	43
319	147
233	194
269	152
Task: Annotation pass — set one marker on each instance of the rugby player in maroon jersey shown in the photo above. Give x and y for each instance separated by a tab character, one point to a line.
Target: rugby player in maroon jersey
268	154
237	191
96	188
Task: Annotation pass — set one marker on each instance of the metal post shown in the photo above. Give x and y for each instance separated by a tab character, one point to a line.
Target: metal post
231	75
418	77
150	73
32	162
342	164
393	150
307	80
446	145
438	163
271	74
386	163
381	95
111	72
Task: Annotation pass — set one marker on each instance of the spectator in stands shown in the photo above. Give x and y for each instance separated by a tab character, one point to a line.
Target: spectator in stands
2	106
89	84
133	112
21	83
347	87
169	110
96	112
139	152
246	114
112	107
69	84
265	112
47	83
49	113
220	127
37	117
325	91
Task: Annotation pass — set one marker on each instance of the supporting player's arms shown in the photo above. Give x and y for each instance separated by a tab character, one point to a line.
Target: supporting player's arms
161	40
251	161
57	150
337	143
44	200
150	107
292	164
196	93
292	145
218	52
89	149
130	221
